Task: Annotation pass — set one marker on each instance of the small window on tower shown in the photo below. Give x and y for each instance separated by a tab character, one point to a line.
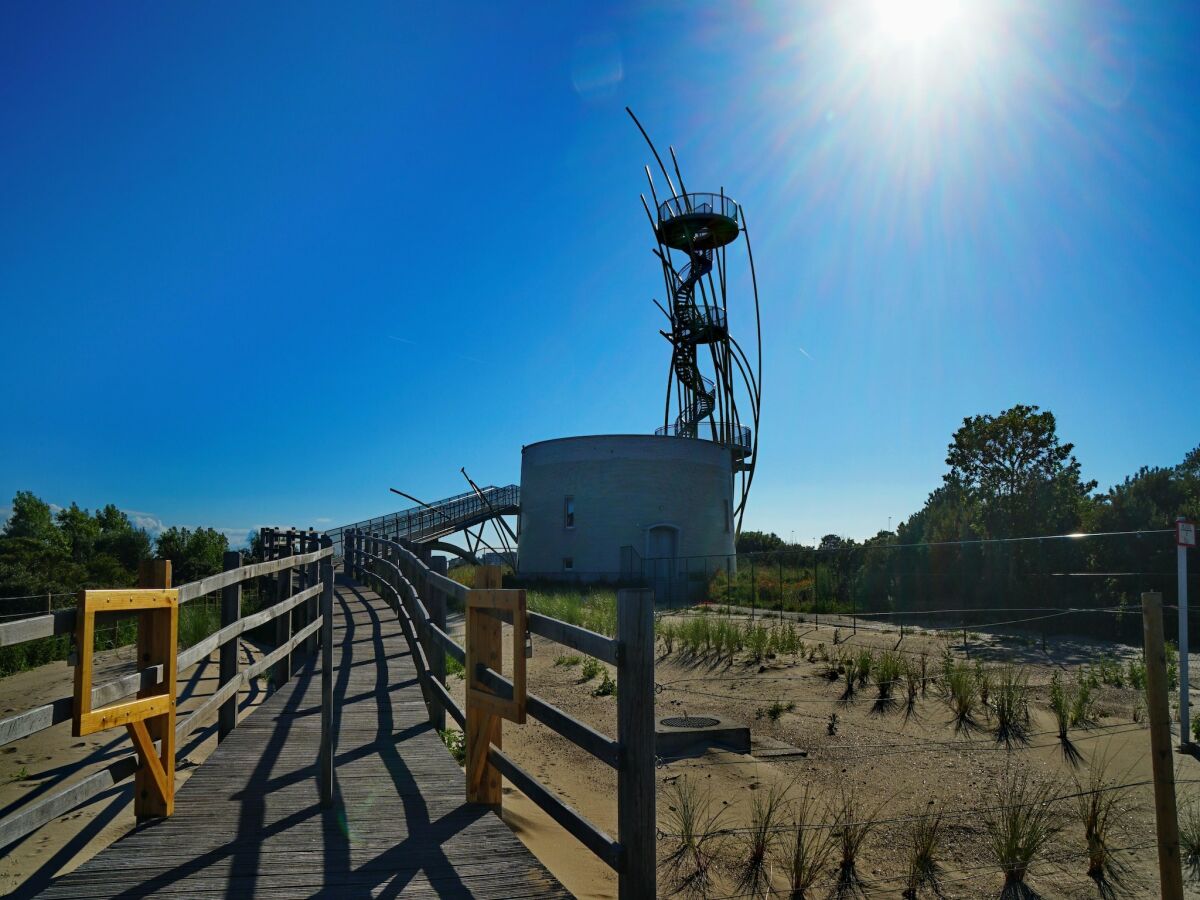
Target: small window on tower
569	513
568	563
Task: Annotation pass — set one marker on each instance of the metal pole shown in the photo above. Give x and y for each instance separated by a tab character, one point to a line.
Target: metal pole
1185	733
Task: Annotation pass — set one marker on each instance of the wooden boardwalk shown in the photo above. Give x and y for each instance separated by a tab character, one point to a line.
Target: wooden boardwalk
248	822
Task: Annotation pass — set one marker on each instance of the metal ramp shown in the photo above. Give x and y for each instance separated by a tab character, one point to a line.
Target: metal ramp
422	524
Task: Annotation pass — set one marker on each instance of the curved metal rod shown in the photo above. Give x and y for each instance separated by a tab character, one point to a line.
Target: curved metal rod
653	150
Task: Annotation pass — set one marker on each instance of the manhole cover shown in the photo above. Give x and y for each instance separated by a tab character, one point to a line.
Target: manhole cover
690	722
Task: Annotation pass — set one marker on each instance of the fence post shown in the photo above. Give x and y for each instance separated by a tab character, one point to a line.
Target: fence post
1185	734
637	820
283	624
231	611
325	768
313	603
1170	872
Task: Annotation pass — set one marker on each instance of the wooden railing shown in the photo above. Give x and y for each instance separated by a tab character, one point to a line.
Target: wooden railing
301	616
420	596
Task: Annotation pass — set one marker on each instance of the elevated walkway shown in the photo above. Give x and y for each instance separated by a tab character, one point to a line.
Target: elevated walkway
423	524
248	823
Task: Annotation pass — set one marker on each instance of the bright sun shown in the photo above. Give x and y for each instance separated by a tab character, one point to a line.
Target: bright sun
917	22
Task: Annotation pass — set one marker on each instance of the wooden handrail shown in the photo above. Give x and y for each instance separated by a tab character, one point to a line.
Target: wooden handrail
62	621
34	815
632	652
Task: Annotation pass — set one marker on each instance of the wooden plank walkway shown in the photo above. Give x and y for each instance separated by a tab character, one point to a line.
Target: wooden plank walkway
248	822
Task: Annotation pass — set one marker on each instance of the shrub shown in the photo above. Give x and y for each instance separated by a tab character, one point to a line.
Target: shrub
925	844
568	660
694	836
807	850
758	639
456	743
1011	704
454	667
607	686
1019	827
1136	674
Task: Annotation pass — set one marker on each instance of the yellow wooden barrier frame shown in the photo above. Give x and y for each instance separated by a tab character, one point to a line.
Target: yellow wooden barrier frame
158	627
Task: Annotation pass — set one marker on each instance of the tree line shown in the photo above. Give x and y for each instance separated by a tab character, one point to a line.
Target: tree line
47	552
1009	476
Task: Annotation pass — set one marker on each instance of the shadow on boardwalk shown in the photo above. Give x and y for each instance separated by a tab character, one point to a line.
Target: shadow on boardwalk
248	822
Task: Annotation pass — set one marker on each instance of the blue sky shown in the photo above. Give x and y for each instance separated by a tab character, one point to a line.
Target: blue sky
260	262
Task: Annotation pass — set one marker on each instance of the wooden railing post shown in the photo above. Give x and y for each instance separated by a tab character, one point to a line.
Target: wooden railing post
231	611
325	763
435	603
484	727
313	603
1170	871
156	648
636	816
283	624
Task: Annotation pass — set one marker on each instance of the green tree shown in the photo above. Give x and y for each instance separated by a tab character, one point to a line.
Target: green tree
1015	476
31	518
80	532
194	554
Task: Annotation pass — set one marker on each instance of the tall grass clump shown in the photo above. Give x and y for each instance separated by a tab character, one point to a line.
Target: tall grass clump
863	665
758	640
924	848
1189	836
1011	705
758	841
1083	702
667	630
1099	808
693	822
886	672
914	682
962	693
1019	828
807	849
853	825
595	611
1061	703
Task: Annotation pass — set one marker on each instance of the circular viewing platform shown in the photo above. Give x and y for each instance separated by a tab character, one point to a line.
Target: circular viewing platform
736	437
698	221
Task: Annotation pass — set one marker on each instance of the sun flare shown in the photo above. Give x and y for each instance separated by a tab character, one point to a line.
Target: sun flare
914	22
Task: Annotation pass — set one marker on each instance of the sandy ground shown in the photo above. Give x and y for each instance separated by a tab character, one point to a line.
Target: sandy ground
898	767
51	759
